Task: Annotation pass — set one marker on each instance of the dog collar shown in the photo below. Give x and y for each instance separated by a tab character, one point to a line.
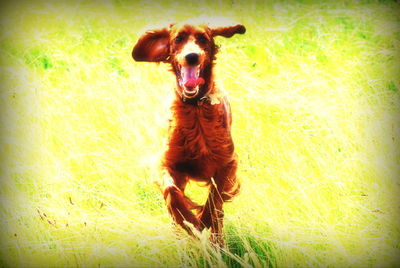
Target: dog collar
212	99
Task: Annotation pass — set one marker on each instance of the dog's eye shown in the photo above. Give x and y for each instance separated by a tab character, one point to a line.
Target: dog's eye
178	39
202	40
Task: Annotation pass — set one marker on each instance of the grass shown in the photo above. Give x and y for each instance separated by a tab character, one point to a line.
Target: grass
314	89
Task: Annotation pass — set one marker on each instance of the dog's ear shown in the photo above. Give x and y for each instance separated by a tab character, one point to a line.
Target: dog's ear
153	46
228	31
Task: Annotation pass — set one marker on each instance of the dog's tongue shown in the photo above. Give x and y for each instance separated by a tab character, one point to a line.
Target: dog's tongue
192	82
191	77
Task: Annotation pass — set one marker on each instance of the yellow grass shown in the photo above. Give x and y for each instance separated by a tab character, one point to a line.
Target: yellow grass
314	89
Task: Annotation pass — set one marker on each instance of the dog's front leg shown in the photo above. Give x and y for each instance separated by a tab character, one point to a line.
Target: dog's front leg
179	206
212	215
222	189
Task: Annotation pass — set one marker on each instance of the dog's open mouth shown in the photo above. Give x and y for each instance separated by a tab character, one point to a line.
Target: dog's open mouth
190	80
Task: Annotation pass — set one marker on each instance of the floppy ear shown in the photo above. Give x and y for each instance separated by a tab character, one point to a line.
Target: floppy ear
228	31
153	46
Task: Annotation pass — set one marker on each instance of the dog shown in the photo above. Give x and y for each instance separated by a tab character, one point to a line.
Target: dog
200	145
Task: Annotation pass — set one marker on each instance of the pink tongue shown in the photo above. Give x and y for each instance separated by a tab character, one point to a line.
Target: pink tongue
192	82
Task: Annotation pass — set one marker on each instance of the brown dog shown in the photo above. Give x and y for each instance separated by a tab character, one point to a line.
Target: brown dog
200	145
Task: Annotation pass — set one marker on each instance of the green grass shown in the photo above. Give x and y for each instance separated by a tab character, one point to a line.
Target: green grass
314	89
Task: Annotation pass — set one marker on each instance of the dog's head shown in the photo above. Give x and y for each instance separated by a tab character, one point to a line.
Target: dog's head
190	50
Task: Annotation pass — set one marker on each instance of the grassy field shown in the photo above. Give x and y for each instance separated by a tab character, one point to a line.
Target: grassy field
314	89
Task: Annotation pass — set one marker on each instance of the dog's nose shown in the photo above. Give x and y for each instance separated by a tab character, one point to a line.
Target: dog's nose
192	58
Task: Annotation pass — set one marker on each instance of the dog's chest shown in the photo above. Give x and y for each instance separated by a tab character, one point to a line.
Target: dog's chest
201	133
